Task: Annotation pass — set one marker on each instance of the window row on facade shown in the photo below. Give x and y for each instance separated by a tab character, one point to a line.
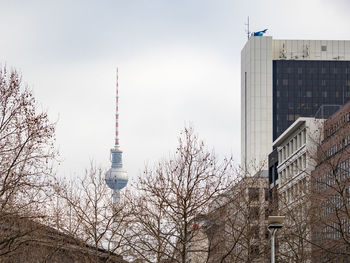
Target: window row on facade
293	145
254	194
339	124
316	82
332	231
336	147
307	66
333	176
255	212
293	168
335	203
295	191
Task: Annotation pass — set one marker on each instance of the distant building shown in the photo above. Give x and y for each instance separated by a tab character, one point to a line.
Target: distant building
331	201
33	242
282	80
296	148
236	227
202	229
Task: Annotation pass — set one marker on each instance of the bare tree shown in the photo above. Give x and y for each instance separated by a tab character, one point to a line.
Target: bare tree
88	214
42	220
26	157
170	197
295	236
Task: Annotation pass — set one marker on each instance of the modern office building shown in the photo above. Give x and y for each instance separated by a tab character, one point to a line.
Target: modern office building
297	157
282	80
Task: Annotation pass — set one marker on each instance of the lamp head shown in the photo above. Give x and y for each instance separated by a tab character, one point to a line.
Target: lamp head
275	222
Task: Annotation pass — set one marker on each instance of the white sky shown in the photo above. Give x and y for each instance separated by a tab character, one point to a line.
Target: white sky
179	63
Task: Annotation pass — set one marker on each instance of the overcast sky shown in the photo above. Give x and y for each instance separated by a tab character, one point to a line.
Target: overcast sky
179	64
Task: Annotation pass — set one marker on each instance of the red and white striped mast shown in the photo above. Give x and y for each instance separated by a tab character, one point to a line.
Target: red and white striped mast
116	144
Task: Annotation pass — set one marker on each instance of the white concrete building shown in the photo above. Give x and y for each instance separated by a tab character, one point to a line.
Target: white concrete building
296	160
270	68
296	148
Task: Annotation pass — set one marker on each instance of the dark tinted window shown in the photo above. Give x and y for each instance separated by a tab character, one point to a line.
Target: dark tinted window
304	86
253	194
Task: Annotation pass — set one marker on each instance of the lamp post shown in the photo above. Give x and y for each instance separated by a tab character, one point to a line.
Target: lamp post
275	223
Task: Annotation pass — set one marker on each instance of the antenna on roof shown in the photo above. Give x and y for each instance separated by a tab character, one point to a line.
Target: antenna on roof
247	30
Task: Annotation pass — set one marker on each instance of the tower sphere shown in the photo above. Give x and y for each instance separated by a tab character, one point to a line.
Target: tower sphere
116	178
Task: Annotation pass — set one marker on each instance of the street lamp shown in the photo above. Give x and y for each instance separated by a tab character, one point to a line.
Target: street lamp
275	222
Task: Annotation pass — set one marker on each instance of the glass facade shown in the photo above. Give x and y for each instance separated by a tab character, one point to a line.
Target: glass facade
300	88
273	163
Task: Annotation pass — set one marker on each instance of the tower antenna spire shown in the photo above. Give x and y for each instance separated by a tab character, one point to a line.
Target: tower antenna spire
116	144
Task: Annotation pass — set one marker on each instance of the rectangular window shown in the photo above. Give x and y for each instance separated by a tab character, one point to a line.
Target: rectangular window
280	156
267	193
267	213
254	213
254	251
296	166
346	168
255	232
253	194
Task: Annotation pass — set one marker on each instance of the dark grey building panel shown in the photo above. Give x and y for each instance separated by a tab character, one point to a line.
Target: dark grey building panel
301	87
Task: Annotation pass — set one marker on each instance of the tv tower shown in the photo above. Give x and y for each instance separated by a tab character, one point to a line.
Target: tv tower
116	177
